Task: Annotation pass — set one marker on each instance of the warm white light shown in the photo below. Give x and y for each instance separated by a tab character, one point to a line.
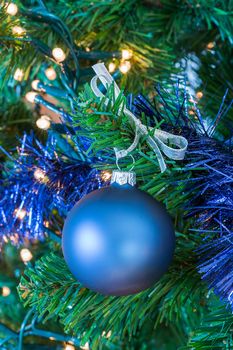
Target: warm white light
40	175
106	175
211	45
12	9
85	347
111	67
20	213
69	347
199	94
26	255
50	73
125	67
6	291
43	123
30	96
108	335
17	30
126	54
35	84
18	74
58	54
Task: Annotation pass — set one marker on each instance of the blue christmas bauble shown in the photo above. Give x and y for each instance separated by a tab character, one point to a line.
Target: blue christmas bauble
118	240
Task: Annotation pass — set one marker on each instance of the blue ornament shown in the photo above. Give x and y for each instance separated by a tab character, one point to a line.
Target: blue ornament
118	240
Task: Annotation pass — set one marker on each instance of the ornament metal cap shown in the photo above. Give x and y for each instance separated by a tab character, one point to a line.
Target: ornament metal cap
123	177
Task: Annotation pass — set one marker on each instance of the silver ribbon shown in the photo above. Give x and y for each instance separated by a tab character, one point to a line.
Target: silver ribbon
158	142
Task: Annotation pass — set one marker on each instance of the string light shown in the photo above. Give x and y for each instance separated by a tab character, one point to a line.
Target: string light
211	45
43	122
17	30
199	94
40	175
106	175
18	74
111	67
20	213
35	84
26	255
125	67
85	347
58	54
108	335
12	9
126	54
50	73
69	347
6	291
30	96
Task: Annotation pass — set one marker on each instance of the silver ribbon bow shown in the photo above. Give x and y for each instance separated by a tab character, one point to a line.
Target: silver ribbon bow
159	139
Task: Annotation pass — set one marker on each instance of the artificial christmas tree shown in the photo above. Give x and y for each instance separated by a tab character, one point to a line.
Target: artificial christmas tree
185	49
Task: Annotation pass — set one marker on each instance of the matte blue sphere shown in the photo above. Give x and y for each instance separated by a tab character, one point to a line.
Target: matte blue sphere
118	240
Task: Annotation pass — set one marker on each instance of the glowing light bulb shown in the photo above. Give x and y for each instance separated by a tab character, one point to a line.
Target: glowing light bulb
85	347
17	30
108	335
58	54
43	122
30	96
88	49
35	84
40	175
69	347
6	291
106	175
20	213
211	45
50	73
126	54
199	94
111	67
12	9
19	74
26	255
125	67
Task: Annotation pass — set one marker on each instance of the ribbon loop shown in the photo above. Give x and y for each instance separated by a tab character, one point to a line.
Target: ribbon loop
158	142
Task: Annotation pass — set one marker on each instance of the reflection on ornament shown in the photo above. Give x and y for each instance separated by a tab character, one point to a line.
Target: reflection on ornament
30	96
6	291
18	74
111	67
126	54
17	30
12	9
20	213
50	73
43	122
26	255
35	84
106	175
69	347
199	94
40	175
125	67
85	347
58	54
